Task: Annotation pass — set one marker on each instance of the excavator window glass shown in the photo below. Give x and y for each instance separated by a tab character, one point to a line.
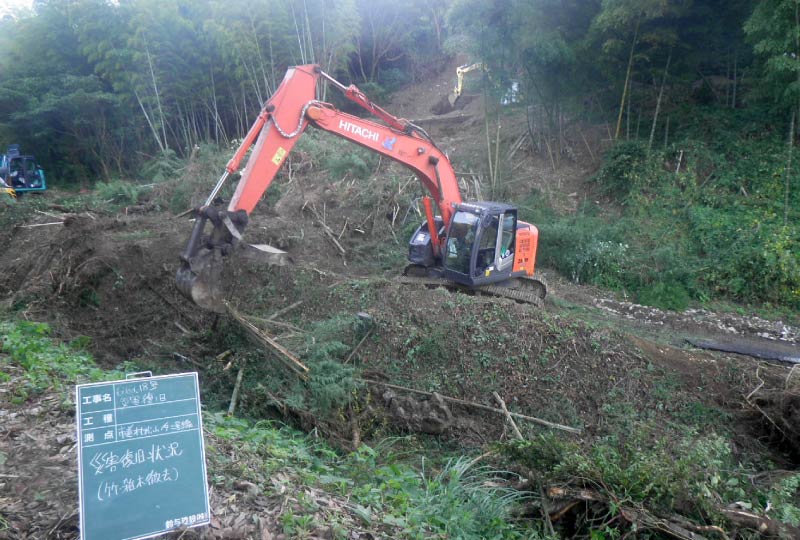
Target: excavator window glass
507	242
16	174
488	246
460	239
31	173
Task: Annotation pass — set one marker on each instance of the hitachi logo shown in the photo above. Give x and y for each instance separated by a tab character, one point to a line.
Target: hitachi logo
358	130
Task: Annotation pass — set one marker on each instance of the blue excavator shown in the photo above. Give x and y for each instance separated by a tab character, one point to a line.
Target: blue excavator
20	173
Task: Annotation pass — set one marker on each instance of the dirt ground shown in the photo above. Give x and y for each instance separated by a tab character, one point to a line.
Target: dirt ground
109	276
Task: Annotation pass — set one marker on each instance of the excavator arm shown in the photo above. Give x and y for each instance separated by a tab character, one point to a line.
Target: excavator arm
277	129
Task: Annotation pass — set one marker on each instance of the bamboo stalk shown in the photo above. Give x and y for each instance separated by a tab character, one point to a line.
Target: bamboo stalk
510	418
40	225
658	103
496	162
286	358
283	311
627	82
489	151
235	395
358	345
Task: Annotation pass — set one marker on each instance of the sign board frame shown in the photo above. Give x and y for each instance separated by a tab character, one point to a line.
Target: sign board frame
141	457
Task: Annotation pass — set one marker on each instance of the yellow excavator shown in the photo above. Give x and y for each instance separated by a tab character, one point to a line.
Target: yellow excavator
459	87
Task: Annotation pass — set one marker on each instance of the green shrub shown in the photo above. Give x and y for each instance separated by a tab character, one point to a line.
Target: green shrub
118	193
626	166
166	166
712	227
664	295
458	501
655	466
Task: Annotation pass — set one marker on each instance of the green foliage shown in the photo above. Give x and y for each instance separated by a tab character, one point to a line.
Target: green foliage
772	28
278	447
665	295
712	228
656	466
784	497
458	501
188	186
47	365
332	384
625	167
162	168
118	193
340	158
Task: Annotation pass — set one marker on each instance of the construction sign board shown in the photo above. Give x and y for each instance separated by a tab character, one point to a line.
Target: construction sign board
141	459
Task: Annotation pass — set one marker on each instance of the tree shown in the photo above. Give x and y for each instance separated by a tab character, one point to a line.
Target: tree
774	30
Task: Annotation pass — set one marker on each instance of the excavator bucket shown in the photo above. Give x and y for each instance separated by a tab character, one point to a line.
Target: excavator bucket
452	98
200	277
200	280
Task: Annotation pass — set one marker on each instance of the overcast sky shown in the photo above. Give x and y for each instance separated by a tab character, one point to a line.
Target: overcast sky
10	6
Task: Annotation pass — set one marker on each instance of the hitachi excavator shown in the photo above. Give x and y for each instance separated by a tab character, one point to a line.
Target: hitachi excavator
479	246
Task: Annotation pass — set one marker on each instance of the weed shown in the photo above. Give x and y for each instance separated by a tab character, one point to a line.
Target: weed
48	364
658	467
459	500
118	193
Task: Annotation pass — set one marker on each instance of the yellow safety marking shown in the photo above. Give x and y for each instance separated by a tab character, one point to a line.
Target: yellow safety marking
279	155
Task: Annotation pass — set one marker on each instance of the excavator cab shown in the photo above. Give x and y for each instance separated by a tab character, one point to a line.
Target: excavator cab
20	172
481	244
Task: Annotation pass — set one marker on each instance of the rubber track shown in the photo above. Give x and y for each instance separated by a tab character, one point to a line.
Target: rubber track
513	293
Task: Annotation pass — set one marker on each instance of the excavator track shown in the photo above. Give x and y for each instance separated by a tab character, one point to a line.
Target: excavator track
523	290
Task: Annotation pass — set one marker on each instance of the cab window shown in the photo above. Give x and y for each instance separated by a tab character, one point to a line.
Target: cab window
488	246
460	238
507	242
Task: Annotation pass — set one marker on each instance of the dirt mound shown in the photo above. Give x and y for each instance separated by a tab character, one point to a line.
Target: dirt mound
105	278
111	279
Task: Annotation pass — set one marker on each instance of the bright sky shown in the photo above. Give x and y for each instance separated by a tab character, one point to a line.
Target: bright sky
11	6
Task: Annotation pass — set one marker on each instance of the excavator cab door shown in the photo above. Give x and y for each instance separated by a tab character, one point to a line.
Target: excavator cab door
480	244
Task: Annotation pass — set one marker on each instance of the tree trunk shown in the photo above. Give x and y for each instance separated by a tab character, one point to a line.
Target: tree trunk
627	82
158	99
788	171
658	104
149	121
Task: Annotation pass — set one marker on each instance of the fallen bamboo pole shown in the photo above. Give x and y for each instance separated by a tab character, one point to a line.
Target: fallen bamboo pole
41	224
358	346
283	311
287	358
479	406
510	418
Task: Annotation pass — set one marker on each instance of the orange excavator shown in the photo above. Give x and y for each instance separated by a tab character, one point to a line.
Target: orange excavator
479	246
